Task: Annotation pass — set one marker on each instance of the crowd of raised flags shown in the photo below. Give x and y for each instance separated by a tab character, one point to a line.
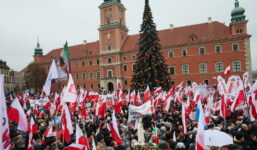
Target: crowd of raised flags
196	102
65	115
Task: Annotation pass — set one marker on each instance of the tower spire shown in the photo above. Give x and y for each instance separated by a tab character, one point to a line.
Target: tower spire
38	51
236	3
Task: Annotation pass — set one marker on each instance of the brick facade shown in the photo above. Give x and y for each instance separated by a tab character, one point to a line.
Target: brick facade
193	53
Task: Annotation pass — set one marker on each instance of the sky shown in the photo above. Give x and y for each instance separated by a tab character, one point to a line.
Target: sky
57	21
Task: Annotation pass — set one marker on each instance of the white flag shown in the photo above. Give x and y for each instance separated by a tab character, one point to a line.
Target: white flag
5	140
70	93
53	74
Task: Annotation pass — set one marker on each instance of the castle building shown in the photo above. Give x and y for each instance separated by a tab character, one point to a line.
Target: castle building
8	76
194	53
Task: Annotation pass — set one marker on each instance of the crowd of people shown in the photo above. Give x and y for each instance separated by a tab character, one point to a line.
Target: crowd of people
163	130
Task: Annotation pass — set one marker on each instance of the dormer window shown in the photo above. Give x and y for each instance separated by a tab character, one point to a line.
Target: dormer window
193	37
109	47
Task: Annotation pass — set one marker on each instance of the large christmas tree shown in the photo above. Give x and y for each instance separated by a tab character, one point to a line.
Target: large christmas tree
150	68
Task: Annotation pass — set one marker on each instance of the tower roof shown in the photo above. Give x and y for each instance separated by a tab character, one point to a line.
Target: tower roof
237	13
38	51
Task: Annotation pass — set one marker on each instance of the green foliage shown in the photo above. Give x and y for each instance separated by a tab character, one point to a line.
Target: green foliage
145	147
150	68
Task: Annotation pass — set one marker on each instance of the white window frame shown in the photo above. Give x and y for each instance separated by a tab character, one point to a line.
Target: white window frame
109	70
184	49
174	69
220	48
240	67
206	70
98	74
203	50
126	67
237	47
183	71
171	52
222	67
91	75
83	76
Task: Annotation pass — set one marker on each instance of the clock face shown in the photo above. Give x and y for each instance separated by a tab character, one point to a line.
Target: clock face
108	13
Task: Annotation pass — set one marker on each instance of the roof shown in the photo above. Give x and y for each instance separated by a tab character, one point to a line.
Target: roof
181	35
76	51
204	32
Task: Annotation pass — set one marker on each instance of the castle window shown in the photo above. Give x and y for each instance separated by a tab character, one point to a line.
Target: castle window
124	58
206	82
203	68
125	67
134	67
189	82
90	63
98	74
109	73
91	75
235	47
134	57
83	63
126	82
92	86
184	52
109	47
171	53
172	70
77	76
84	76
84	86
109	60
97	62
236	66
202	50
218	48
219	67
185	69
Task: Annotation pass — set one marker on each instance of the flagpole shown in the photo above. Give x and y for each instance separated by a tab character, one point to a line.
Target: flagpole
248	108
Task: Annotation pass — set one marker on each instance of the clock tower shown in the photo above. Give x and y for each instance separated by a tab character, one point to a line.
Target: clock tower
112	34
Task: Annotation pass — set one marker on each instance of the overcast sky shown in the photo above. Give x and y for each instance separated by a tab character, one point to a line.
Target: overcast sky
56	21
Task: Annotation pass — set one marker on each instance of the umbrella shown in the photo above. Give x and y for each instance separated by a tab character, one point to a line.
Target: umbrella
217	138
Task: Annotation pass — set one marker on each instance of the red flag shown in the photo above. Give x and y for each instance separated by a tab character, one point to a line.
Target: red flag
80	138
17	114
227	71
66	120
114	130
75	147
33	126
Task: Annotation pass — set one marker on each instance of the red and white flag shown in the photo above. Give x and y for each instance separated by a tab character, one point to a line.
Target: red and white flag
33	126
70	93
17	114
49	132
200	129
147	94
227	71
114	130
5	140
67	124
75	147
81	138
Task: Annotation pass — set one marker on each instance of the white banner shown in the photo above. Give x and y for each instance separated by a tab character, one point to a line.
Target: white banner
4	126
139	111
37	102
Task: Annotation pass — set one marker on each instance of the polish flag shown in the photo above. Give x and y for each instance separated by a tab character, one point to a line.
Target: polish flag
166	105
67	124
33	126
80	138
75	147
147	94
114	130
70	93
253	105
240	99
227	71
158	90
17	114
200	129
49	132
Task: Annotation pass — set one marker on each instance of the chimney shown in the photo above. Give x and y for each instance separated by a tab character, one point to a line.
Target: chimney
209	20
171	26
85	41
